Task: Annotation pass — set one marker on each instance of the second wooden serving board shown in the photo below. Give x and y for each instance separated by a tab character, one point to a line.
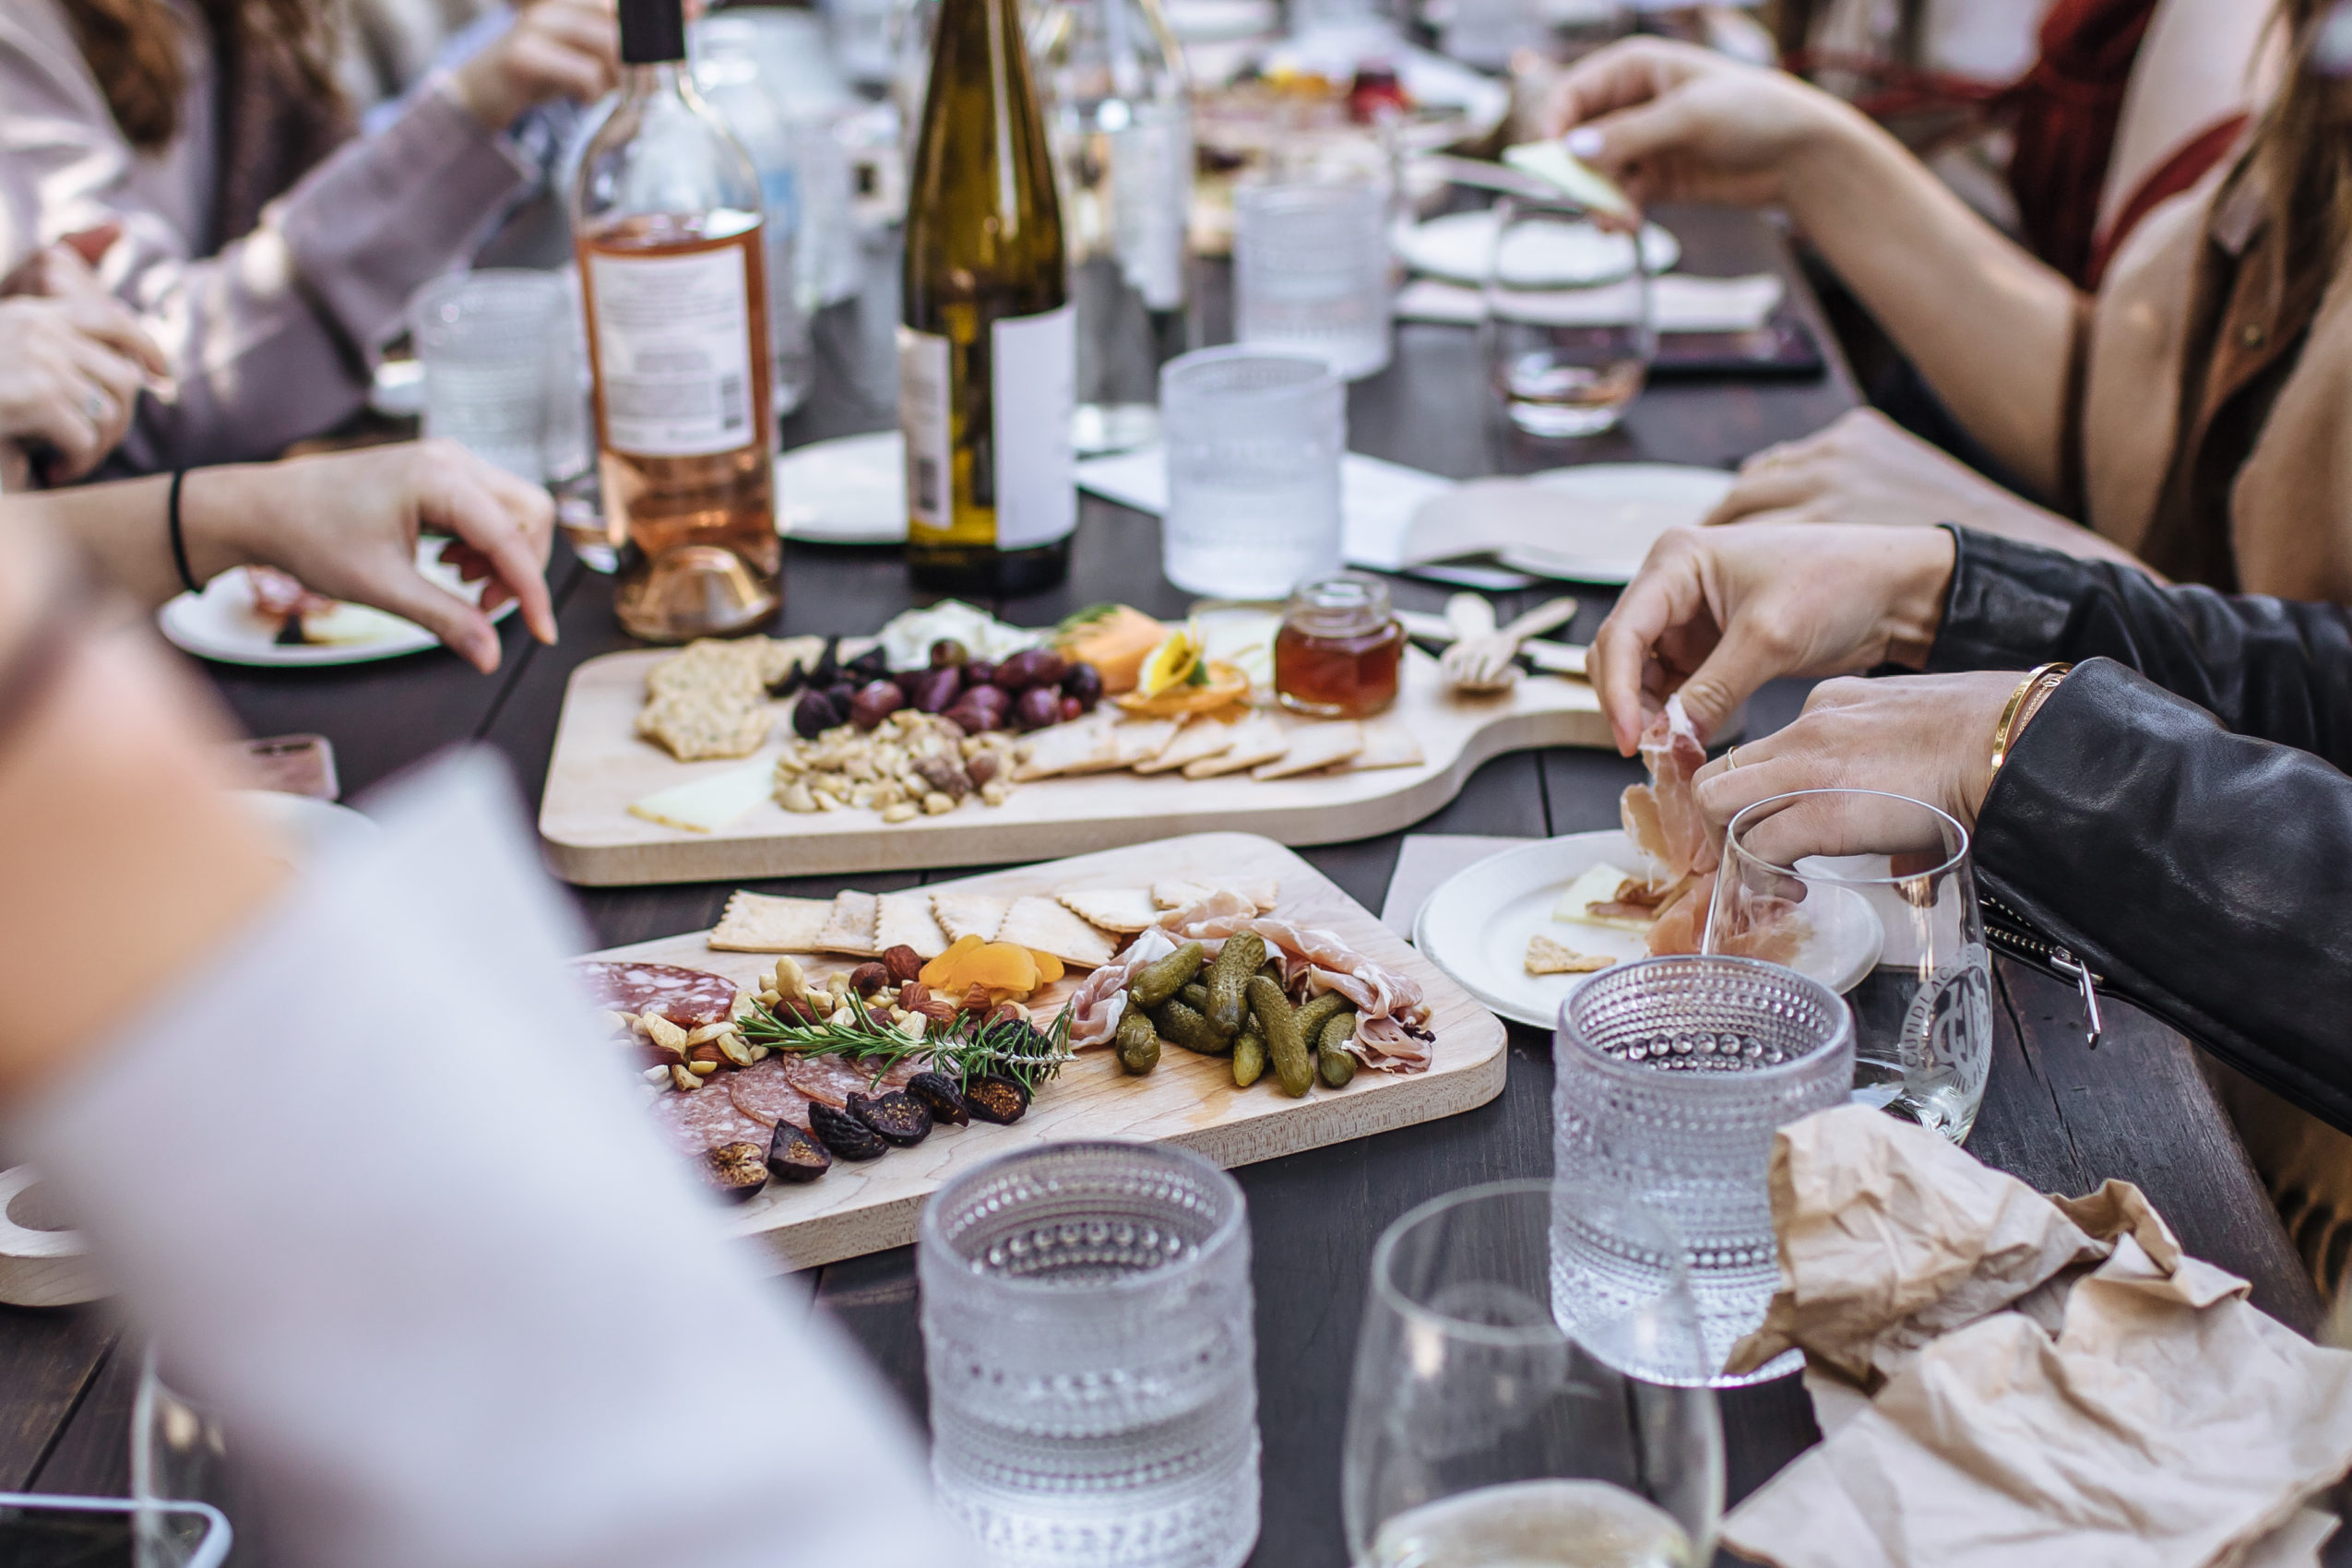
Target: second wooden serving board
1187	1099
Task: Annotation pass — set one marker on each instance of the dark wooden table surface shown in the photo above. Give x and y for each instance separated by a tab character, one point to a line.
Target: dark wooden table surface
2056	1114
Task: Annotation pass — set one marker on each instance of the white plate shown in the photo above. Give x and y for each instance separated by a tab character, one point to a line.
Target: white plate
1476	927
1591	524
851	489
220	625
1455	247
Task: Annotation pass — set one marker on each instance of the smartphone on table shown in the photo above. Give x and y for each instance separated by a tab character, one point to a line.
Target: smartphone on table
41	1531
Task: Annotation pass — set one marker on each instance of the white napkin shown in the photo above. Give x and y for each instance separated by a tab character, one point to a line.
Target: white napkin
1678	303
1377	498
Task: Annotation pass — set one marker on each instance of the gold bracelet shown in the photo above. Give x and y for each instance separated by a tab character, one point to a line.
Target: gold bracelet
2002	741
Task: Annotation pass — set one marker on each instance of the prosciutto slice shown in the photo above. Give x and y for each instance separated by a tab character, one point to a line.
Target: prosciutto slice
1100	1000
1662	816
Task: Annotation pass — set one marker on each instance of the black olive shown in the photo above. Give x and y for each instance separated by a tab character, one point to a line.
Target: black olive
814	715
947	652
827	668
992	1099
1085	683
735	1171
940	1096
843	693
795	1157
896	1118
844	1134
871	665
936	690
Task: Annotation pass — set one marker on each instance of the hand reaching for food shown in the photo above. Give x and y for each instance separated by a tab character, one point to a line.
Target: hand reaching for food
555	48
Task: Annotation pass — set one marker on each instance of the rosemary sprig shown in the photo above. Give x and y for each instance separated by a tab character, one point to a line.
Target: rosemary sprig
966	1047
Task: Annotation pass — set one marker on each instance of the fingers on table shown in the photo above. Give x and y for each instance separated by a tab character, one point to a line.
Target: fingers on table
507	523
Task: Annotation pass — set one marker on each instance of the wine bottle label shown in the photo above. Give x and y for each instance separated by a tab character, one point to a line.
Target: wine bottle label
923	389
1151	202
1034	386
673	342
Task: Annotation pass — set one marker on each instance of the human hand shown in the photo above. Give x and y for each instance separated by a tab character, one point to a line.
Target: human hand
1866	469
1673	122
346	524
1714	613
555	48
70	375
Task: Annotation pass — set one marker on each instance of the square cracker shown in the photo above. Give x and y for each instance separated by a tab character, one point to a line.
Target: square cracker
1112	908
1314	747
1546	956
1254	741
1142	740
1083	745
905	919
1200	738
850	929
1045	925
1388	743
969	914
1183	891
756	922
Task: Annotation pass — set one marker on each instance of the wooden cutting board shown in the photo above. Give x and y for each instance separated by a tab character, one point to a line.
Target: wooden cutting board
600	766
1187	1099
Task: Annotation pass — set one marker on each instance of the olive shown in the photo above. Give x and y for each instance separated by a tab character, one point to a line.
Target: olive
814	715
1085	683
1038	707
1071	709
979	708
935	690
1034	667
947	652
908	683
979	671
843	693
877	701
871	665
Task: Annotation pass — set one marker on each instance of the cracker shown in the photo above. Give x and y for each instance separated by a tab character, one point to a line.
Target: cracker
1200	738
850	929
1045	925
968	914
756	922
1254	741
1314	747
1083	746
1143	740
1112	908
698	725
1184	892
904	919
1546	956
1388	743
781	657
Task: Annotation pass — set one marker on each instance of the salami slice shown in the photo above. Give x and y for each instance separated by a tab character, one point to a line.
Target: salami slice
833	1080
763	1092
701	1119
688	998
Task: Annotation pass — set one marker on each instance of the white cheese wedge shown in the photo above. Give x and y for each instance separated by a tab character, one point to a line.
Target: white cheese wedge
1555	165
706	805
1597	886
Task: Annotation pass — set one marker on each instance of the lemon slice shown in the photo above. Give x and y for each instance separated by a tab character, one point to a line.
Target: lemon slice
1171	663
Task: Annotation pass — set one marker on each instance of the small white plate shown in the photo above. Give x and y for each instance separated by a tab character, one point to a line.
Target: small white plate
1476	927
1456	247
221	624
851	489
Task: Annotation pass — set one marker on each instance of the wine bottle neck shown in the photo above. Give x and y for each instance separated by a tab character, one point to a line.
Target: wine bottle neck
660	78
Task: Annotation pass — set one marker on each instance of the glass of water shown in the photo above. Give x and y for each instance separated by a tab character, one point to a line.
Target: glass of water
1672	1075
1568	324
1503	1411
1088	1332
494	345
180	1454
1875	896
1311	271
1254	442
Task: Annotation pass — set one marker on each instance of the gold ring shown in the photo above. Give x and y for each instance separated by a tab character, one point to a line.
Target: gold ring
1731	758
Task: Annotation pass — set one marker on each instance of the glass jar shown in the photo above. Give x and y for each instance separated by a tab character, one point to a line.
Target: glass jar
1341	649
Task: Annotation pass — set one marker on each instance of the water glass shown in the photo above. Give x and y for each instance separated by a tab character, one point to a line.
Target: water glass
1088	1332
1254	442
495	346
1672	1075
1486	1428
1873	895
1311	271
1568	324
179	1454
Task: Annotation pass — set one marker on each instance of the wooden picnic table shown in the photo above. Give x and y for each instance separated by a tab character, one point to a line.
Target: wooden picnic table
2058	1116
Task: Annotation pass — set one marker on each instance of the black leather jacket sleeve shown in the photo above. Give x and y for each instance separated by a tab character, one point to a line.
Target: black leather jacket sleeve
2176	814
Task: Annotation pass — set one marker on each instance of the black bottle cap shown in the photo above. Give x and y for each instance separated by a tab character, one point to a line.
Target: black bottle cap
652	31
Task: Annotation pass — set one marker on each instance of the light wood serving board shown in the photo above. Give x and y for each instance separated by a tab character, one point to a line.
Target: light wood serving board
600	766
1187	1099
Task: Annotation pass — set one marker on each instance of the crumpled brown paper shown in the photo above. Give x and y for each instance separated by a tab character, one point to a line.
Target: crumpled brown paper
2014	1380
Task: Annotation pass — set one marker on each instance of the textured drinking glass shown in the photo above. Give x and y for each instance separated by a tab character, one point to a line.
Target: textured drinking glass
1487	1428
1568	329
1672	1074
1254	442
178	1455
1873	894
1311	272
494	345
1086	1329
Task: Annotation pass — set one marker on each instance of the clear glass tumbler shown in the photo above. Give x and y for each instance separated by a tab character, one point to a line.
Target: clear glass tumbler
1672	1075
180	1454
1486	1428
1568	324
1254	442
1311	271
1088	1332
1875	896
493	344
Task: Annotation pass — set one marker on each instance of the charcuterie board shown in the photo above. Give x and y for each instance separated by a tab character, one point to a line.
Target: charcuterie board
599	766
1187	1099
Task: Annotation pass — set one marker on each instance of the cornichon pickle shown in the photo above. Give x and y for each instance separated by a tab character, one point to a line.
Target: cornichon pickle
1235	962
1332	1057
1189	1029
1139	1042
1249	1058
1285	1046
1194	995
1162	977
1314	1013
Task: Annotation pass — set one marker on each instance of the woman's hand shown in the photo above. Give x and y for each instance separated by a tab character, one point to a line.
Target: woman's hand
1673	122
555	48
347	524
70	373
1715	613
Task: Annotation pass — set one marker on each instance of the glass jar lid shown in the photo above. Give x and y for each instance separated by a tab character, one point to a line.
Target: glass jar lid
1345	604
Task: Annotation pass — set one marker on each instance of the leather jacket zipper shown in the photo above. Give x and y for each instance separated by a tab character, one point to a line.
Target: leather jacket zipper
2017	935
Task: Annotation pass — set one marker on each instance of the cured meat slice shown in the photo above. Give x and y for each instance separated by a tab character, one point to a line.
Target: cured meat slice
1663	816
688	998
831	1081
701	1119
763	1092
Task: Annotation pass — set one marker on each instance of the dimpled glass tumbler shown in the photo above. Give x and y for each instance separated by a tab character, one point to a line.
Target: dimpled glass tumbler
1087	1330
1672	1075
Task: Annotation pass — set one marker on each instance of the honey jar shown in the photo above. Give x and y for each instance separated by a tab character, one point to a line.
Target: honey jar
1339	650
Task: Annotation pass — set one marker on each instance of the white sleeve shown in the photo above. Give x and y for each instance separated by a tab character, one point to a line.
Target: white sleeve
391	1204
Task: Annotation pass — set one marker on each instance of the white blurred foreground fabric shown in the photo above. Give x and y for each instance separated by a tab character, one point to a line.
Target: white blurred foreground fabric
2013	1380
386	1194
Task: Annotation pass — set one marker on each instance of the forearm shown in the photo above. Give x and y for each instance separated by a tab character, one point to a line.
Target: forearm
124	528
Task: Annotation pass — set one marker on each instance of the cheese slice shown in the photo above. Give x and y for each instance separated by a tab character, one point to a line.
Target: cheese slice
1597	886
1551	162
706	805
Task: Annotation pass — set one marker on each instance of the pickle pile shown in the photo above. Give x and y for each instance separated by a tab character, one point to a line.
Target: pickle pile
1234	1007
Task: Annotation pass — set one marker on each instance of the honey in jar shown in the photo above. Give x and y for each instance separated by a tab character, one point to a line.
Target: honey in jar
1339	649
